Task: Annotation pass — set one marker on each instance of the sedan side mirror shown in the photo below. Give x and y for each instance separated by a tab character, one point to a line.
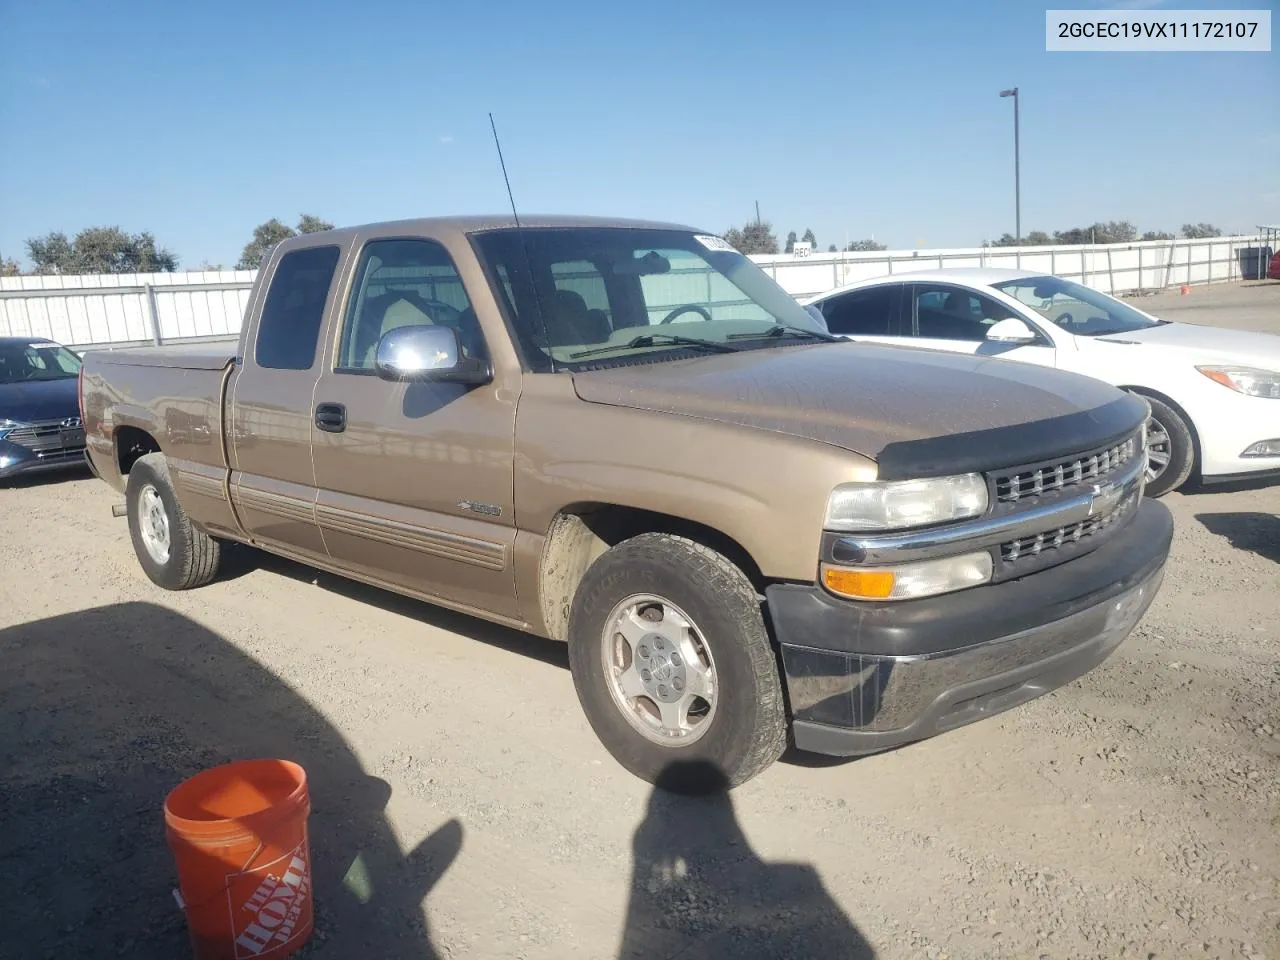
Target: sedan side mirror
1010	330
427	353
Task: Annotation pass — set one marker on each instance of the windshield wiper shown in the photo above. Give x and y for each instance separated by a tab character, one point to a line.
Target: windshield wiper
651	340
783	330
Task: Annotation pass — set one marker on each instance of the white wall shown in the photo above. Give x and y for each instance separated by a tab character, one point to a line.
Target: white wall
93	311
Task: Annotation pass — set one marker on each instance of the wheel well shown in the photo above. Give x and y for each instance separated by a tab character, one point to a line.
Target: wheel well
582	532
1176	408
131	444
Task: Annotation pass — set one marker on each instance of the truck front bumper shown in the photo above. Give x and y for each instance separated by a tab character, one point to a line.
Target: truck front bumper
865	677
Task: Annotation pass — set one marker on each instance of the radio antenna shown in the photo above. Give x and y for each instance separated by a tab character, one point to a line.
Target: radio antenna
528	264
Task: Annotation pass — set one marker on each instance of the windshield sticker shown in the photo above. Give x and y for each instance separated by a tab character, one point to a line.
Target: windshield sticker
718	244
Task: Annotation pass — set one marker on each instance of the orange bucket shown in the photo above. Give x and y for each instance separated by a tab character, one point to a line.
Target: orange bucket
239	835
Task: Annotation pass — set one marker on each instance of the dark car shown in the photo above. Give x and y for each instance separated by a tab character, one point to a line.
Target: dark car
39	407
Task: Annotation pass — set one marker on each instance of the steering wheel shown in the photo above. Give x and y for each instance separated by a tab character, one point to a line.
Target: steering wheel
687	308
1065	318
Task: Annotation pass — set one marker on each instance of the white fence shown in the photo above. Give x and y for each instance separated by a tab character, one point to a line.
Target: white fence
125	309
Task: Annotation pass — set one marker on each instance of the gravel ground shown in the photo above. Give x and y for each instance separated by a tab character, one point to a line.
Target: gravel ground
462	807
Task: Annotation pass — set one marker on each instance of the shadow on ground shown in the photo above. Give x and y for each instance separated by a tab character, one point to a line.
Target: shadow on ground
699	890
242	560
101	713
1255	532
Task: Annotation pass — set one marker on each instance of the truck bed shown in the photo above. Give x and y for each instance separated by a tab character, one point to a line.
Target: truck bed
193	356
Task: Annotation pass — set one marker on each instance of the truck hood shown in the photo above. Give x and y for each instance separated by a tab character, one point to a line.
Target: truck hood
1210	343
29	400
917	412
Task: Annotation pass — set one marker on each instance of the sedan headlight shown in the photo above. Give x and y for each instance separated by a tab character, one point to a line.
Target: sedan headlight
1251	381
903	504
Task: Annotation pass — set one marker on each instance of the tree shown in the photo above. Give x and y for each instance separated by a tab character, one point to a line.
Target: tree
832	248
9	267
861	246
810	239
1006	240
791	243
1200	231
1038	238
755	237
267	235
309	224
100	250
1157	235
1113	231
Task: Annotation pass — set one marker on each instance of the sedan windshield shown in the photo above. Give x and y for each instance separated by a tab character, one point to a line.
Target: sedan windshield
614	295
1076	308
21	362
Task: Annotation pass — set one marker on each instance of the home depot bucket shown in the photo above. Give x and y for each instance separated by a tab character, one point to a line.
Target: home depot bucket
239	835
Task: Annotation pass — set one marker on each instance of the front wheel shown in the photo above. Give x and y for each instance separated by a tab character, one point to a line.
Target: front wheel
673	666
173	553
1171	451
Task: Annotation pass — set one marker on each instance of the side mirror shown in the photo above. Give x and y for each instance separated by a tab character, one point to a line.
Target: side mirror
1010	330
427	353
818	318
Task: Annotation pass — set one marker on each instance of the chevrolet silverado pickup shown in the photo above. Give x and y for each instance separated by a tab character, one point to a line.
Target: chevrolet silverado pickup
624	436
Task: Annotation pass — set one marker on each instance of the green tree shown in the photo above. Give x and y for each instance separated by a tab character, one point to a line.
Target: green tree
267	235
1038	238
1113	231
1157	235
791	243
309	224
861	246
9	267
831	248
1200	231
100	250
810	239
754	237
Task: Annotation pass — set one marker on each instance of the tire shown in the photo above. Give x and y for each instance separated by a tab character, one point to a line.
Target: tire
1168	435
192	557
665	581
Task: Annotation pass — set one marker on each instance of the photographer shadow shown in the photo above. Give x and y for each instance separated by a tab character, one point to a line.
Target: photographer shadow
699	890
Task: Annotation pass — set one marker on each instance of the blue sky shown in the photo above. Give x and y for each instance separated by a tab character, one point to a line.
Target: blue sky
198	121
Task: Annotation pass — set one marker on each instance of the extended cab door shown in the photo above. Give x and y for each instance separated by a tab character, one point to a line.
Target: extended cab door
270	407
415	480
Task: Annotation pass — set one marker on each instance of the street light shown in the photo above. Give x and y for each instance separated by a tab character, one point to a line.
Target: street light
1017	178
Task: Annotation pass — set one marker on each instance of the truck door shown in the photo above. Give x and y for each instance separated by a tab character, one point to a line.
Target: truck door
415	479
271	408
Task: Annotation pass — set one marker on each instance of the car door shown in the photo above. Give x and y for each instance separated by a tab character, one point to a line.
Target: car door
866	313
415	480
944	316
270	407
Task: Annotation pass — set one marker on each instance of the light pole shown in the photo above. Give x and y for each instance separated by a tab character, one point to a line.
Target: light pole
1017	173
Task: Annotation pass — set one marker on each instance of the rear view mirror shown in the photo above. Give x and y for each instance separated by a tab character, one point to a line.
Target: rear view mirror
1010	330
651	264
426	353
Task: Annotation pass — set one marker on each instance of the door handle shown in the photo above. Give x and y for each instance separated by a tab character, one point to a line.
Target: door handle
331	417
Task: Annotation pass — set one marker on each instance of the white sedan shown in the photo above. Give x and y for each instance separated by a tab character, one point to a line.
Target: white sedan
1214	393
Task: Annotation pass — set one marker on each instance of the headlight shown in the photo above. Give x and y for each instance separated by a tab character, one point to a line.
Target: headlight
1251	381
902	504
8	425
908	581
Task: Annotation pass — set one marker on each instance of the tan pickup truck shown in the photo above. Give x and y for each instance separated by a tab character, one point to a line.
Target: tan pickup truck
625	436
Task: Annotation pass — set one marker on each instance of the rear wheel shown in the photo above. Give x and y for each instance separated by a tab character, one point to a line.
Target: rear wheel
173	553
673	665
1171	451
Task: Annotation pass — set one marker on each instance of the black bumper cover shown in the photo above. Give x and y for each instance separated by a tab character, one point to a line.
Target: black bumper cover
865	677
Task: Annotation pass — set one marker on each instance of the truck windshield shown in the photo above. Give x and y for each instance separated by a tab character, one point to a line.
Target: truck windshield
21	362
616	294
1076	308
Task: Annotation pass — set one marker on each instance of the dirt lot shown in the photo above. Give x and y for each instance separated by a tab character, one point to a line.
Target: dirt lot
463	807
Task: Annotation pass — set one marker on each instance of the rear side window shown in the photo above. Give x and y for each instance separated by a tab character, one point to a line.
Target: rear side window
290	326
870	313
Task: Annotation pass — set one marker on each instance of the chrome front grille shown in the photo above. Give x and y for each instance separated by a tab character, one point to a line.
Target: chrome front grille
50	439
1035	481
1025	548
